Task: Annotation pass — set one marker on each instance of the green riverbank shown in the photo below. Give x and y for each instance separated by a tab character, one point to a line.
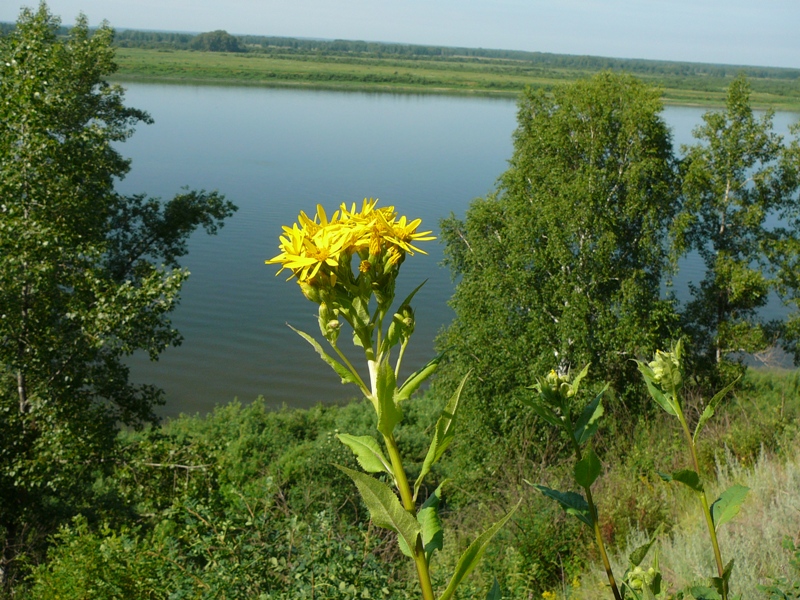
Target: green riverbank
444	75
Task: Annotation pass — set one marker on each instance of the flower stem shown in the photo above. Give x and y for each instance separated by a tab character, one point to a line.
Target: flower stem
601	546
408	503
712	532
598	536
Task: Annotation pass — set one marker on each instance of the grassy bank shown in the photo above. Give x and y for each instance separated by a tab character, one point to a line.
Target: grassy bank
245	503
448	75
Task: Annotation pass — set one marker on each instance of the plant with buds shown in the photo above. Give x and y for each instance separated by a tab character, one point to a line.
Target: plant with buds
664	378
348	265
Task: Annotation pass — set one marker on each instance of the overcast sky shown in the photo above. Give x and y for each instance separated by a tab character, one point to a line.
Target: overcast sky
741	32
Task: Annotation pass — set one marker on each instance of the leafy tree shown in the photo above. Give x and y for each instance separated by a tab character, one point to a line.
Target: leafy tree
562	265
215	41
81	280
740	213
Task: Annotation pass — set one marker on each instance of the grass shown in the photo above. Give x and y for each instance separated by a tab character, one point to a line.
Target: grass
752	442
454	75
753	539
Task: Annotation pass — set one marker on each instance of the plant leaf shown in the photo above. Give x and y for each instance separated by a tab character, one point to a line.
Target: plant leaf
495	593
728	504
587	469
655	393
389	413
576	381
544	412
431	523
686	477
571	502
368	452
587	423
342	371
637	556
395	331
443	434
469	560
701	592
384	507
711	407
417	378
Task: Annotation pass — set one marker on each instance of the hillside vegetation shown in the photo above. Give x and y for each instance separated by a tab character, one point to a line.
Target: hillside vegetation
406	68
544	381
221	58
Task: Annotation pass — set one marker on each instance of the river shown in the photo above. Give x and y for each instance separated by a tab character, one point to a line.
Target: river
274	152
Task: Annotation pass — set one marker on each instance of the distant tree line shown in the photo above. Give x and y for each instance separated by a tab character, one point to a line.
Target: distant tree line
222	41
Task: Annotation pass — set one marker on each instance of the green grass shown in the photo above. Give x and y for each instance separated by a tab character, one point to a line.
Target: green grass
453	75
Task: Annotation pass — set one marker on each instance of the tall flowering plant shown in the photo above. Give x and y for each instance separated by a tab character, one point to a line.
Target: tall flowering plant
664	378
348	264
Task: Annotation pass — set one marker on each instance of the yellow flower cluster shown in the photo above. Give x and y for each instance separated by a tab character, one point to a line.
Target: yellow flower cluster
316	249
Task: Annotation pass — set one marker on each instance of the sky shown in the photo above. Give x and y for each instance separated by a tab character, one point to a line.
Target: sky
737	32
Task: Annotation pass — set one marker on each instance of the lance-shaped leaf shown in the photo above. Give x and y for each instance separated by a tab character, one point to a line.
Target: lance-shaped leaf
587	423
587	469
728	504
389	413
384	508
721	584
472	555
545	412
576	381
637	556
572	503
712	406
687	477
397	327
659	396
368	452
431	523
416	379
342	371
443	434
495	593
701	592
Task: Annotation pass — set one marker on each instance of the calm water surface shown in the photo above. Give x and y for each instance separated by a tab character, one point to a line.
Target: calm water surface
274	152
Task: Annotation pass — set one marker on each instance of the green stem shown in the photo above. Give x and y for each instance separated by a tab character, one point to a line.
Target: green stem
400	358
598	536
601	546
349	365
712	532
408	503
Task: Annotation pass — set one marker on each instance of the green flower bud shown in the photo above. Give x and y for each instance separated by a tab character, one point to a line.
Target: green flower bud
667	370
310	291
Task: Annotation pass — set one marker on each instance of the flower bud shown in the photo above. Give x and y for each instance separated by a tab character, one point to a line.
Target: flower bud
310	291
667	370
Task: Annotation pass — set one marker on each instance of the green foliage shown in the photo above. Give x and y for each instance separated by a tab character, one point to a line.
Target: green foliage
737	179
215	41
664	377
562	265
82	284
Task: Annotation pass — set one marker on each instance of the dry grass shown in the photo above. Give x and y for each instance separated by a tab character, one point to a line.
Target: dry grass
753	539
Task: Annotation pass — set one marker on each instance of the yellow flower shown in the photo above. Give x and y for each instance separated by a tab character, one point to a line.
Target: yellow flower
306	255
317	247
364	215
292	250
548	595
311	226
402	233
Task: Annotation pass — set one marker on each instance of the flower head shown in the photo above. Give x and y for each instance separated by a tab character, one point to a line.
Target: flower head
667	369
318	250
